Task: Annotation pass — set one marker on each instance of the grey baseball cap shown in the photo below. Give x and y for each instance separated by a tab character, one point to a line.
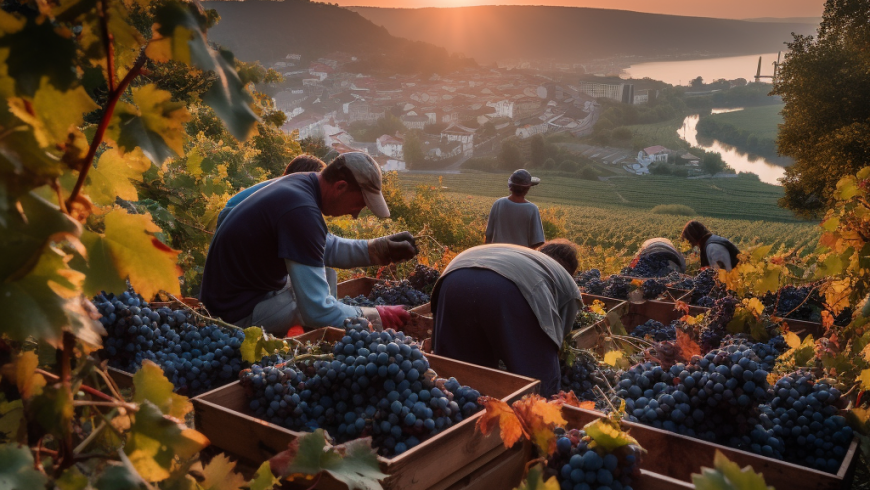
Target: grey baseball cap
522	177
367	173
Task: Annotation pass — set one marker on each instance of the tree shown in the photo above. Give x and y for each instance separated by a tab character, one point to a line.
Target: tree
413	150
712	163
697	82
539	152
509	157
826	119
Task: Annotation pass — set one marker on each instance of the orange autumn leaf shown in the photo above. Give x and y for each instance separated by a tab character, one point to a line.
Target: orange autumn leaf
686	346
681	306
827	319
571	399
499	413
540	417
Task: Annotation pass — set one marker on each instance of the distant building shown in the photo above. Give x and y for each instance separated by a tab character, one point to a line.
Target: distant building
621	92
391	146
652	154
457	132
415	122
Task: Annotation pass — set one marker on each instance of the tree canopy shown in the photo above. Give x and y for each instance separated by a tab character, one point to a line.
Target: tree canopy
826	128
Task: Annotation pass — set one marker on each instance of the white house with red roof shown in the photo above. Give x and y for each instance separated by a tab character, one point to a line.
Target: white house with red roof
391	146
657	153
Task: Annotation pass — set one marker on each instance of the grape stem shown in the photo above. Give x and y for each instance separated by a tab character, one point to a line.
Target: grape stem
94	434
206	318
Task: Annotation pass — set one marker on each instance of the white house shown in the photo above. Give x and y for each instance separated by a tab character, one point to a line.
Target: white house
415	121
529	130
652	154
391	146
457	132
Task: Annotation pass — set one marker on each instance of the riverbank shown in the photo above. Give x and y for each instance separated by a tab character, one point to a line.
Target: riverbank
752	130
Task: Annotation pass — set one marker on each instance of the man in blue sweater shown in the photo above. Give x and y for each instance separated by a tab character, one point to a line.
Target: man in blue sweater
266	263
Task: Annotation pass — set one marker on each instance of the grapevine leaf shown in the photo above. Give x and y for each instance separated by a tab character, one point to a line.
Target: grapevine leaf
38	49
248	348
72	479
53	114
864	378
154	123
150	384
120	477
759	253
139	255
219	475
357	465
540	417
97	265
114	175
11	417
535	480
612	358
607	434
178	35
29	382
727	475
792	340
264	479
41	303
155	440
27	232
686	346
571	400
16	469
499	412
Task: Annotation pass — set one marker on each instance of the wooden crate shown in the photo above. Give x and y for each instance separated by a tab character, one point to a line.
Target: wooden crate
679	456
423	310
223	416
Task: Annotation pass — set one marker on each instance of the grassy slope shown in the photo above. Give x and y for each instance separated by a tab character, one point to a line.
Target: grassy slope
617	213
760	121
663	133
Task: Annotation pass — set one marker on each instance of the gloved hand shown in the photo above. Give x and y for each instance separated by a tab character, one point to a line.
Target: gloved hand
392	248
393	316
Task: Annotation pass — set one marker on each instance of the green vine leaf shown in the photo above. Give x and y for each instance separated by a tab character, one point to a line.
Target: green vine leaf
16	469
11	417
72	479
535	480
120	477
727	475
37	49
114	175
150	384
154	123
155	440
264	479
53	114
356	464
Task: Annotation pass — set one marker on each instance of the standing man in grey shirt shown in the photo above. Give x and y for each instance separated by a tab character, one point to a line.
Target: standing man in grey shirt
513	219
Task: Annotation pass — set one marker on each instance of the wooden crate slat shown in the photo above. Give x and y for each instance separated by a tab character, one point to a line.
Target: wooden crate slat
678	456
355	287
223	416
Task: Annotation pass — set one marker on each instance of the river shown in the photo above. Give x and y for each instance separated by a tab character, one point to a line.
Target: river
681	72
736	159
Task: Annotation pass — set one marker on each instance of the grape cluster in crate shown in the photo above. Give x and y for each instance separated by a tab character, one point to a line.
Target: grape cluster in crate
582	465
390	293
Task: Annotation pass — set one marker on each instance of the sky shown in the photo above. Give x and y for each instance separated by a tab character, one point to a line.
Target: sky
728	9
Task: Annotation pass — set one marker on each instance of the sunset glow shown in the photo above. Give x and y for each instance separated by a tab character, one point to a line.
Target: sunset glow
733	9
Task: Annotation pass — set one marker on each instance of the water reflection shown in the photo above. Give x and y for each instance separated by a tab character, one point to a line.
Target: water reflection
682	72
738	160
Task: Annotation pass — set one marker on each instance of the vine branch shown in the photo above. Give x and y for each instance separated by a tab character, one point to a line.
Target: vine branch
114	96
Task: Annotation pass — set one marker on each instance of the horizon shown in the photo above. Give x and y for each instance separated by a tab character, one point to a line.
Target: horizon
734	9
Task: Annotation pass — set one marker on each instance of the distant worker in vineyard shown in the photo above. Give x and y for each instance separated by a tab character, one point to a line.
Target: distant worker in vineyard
266	263
509	303
513	219
716	252
657	257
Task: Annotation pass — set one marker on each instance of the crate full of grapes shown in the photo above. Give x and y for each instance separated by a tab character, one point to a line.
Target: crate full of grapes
376	384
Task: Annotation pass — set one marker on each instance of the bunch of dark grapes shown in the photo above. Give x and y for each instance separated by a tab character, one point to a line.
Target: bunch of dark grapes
767	352
650	265
799	303
655	330
580	464
583	278
361	301
706	301
617	287
397	293
653	288
803	416
194	358
583	375
594	286
378	384
720	314
714	397
705	286
423	278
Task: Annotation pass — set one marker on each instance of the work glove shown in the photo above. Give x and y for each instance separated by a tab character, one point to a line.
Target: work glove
392	248
394	317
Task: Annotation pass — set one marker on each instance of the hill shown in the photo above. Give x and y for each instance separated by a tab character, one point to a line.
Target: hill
267	31
571	34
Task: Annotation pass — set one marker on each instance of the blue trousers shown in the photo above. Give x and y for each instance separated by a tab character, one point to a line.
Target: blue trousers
481	318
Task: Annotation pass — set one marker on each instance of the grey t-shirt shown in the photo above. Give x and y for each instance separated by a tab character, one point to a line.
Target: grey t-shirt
514	223
546	285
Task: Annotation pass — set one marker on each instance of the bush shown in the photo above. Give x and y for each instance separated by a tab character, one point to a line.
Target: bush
549	164
621	133
589	173
569	166
674	209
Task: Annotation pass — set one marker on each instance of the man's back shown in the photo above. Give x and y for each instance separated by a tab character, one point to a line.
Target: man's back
514	223
246	257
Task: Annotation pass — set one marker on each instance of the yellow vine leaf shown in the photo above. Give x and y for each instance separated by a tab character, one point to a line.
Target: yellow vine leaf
535	480
29	382
792	340
114	176
150	384
156	444
597	307
219	474
612	358
264	479
864	378
607	434
754	305
499	413
540	417
154	123
53	114
138	255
